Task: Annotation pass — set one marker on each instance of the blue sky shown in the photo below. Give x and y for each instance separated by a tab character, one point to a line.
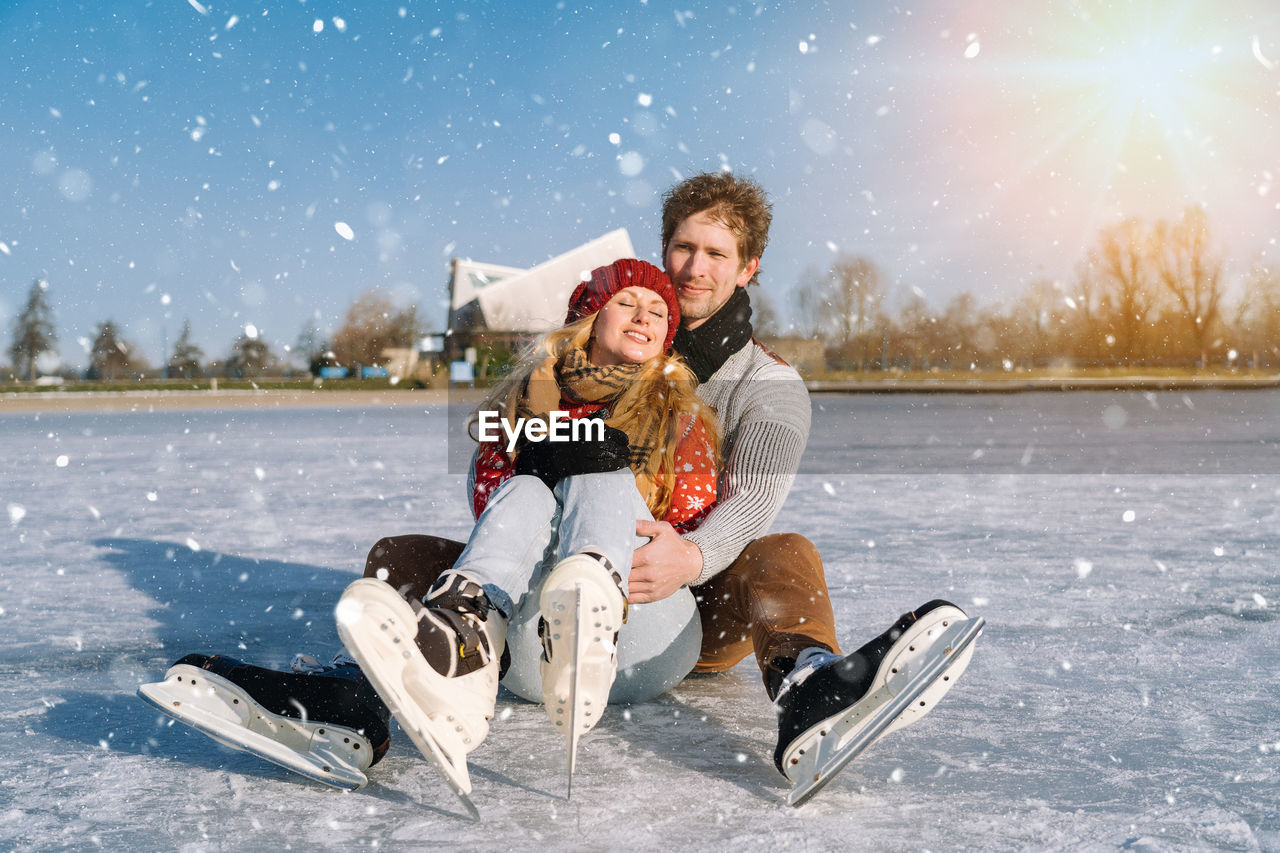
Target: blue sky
184	159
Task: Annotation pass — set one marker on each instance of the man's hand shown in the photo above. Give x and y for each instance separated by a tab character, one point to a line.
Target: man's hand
665	564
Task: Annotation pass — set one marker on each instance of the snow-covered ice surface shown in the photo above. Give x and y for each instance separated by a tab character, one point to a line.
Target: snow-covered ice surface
1121	546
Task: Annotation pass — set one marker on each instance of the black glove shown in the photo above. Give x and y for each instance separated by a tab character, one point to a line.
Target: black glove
552	461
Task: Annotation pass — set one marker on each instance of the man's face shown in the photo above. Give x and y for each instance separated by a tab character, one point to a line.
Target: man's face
702	261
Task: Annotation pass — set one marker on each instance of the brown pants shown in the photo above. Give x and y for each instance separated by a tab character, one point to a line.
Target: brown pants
772	599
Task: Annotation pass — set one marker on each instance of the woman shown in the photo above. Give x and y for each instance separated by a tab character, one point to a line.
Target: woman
555	534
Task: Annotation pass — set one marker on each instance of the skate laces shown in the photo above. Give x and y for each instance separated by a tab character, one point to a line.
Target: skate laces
305	664
807	663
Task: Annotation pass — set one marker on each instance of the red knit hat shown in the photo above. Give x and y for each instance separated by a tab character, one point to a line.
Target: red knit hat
591	295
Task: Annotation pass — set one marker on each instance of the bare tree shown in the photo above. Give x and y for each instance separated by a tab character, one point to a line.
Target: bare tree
810	310
1141	292
957	331
33	331
856	296
916	332
1030	324
1192	273
843	306
764	315
1258	315
1121	262
1085	328
372	324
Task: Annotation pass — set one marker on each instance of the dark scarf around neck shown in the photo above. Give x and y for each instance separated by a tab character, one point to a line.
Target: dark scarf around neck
725	332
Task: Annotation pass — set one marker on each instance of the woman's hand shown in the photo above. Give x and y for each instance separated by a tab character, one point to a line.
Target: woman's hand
662	566
552	461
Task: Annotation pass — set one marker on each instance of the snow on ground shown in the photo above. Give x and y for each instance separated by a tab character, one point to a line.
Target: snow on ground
1121	546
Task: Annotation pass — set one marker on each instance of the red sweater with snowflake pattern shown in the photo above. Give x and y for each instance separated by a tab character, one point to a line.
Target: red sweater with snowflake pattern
691	499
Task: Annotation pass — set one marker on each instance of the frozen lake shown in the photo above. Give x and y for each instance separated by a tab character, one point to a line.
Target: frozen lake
1122	547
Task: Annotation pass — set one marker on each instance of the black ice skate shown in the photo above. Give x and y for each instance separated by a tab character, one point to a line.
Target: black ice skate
828	716
327	724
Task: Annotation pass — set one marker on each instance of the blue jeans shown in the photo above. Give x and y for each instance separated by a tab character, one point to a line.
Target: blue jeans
526	529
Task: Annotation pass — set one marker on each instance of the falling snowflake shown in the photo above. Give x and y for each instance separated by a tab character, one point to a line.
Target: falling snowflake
1258	55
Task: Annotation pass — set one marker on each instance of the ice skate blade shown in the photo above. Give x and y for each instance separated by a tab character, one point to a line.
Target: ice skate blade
575	715
580	627
225	712
844	738
378	627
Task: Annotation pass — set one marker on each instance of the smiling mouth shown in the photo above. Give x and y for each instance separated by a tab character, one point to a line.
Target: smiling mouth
638	337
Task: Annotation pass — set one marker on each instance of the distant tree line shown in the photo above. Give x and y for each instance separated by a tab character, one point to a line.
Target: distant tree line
371	325
1143	295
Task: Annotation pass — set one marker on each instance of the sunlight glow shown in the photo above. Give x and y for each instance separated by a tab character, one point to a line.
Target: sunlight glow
1149	81
1110	110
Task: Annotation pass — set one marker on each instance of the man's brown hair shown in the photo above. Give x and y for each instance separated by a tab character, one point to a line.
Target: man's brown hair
740	204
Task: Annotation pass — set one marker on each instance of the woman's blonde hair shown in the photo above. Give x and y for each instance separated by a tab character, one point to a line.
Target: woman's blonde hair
664	385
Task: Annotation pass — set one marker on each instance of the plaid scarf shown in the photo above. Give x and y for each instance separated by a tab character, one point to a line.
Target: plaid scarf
574	378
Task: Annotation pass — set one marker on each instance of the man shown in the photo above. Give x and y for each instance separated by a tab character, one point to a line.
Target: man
757	593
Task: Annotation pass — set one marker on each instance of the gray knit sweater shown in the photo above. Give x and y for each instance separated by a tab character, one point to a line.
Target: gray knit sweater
764	414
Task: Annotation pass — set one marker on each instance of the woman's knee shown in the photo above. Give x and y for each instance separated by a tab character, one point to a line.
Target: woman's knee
411	563
525	491
585	484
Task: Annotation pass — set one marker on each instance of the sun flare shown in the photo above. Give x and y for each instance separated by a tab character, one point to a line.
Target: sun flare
1098	111
1149	88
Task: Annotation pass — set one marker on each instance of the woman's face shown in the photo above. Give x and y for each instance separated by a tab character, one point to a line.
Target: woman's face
630	328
